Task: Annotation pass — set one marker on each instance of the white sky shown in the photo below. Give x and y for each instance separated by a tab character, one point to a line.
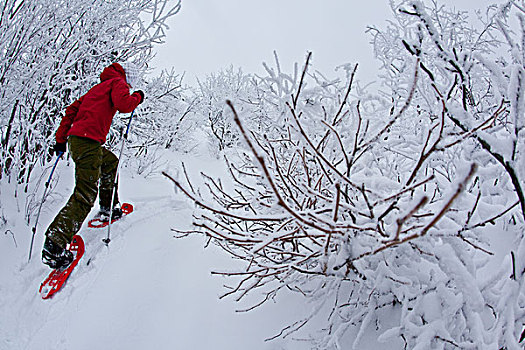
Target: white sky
208	35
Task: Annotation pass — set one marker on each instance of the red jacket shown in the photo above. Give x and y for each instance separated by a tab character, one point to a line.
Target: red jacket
91	115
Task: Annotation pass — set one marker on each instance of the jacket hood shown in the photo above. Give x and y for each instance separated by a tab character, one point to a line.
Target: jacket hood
132	72
115	70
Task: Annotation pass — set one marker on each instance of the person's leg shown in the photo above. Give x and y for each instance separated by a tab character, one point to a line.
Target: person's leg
87	155
108	170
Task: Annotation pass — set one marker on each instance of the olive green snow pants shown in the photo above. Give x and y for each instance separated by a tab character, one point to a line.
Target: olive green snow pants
92	162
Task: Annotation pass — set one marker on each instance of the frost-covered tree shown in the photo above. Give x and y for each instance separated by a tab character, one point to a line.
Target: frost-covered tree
52	52
254	97
387	203
228	83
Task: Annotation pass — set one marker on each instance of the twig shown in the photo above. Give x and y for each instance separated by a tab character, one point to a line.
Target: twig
474	245
401	221
401	111
187	177
356	139
513	276
302	80
492	219
337	201
345	154
408	189
279	172
346	95
12	234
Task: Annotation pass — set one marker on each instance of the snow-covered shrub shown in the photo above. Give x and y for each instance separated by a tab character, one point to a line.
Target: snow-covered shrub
212	92
365	203
232	84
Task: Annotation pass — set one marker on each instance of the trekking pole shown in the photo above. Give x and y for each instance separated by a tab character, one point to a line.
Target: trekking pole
115	180
41	203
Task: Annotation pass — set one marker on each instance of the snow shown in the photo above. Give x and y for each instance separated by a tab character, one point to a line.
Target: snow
147	290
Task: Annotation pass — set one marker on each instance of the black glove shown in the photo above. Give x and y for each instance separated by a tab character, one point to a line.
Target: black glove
58	148
141	95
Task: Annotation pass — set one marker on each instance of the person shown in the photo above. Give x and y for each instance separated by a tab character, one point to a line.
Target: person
84	128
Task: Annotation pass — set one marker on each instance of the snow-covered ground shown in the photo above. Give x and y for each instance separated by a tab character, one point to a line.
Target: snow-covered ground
147	290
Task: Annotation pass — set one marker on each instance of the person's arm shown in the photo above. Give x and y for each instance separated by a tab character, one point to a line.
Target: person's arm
67	121
122	99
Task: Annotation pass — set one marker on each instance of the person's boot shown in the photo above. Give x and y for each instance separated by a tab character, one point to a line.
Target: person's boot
55	256
103	214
